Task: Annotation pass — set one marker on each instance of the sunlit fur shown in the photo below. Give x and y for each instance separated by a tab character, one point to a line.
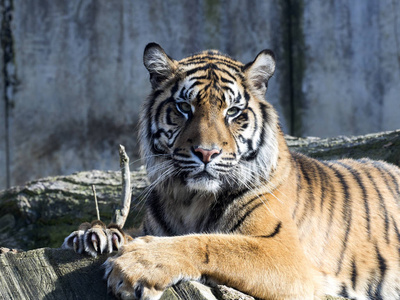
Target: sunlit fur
253	215
346	212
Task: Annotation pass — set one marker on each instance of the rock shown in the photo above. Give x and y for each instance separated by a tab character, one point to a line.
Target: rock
380	146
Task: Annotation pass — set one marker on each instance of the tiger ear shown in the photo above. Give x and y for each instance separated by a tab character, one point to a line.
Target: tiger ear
259	71
158	63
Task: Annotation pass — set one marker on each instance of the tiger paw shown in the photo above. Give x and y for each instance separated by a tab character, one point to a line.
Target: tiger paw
95	238
144	268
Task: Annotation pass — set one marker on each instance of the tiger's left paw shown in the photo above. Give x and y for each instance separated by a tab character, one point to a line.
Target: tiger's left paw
144	268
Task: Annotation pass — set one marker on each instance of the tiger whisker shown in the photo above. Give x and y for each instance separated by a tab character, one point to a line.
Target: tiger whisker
165	170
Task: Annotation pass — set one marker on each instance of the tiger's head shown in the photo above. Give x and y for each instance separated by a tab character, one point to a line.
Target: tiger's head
206	125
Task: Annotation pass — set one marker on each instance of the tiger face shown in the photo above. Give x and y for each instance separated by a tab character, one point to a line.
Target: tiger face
206	122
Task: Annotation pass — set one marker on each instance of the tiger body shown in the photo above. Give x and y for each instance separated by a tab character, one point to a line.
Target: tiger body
228	202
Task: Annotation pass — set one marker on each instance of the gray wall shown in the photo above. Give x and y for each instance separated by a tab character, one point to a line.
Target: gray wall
72	76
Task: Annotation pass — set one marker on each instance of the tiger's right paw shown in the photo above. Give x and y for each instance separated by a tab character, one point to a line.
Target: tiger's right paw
96	238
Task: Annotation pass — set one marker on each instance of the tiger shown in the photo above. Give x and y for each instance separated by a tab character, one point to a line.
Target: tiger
230	204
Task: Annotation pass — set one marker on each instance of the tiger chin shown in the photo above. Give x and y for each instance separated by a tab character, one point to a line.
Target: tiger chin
229	203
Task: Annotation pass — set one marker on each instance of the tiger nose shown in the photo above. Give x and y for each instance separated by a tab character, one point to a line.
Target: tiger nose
206	155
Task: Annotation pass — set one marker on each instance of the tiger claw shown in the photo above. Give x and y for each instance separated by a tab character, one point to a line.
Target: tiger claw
76	243
94	242
115	241
116	238
95	239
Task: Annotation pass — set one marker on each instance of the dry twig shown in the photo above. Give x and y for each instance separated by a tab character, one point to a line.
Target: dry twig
122	212
95	201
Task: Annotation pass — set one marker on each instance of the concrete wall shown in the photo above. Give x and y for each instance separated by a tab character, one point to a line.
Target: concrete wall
351	79
73	77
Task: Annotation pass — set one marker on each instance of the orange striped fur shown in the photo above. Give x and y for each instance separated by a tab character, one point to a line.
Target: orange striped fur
229	203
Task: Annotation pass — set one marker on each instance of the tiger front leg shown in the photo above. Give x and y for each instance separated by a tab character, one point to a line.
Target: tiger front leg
260	267
95	238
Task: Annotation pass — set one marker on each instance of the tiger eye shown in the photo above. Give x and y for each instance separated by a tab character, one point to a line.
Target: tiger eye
233	111
184	107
